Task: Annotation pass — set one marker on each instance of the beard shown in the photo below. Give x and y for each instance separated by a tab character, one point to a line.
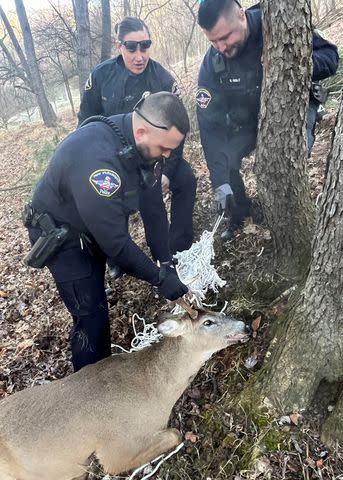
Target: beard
144	151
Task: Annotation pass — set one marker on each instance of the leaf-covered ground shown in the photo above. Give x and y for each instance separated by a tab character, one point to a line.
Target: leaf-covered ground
34	324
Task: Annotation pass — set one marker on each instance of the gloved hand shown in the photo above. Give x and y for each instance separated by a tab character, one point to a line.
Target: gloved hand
223	196
170	286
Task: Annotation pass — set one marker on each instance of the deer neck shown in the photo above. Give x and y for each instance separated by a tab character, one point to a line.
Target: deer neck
175	362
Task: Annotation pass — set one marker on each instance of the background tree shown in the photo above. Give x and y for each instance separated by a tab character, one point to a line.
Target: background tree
45	108
54	32
81	14
106	41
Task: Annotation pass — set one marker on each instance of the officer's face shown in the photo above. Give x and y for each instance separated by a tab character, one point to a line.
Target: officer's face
135	61
229	35
155	144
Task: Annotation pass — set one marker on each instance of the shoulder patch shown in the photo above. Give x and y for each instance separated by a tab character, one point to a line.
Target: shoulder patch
88	85
176	90
105	182
203	97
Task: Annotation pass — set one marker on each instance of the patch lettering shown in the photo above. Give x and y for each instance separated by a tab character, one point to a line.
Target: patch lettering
105	182
176	90
203	97
88	85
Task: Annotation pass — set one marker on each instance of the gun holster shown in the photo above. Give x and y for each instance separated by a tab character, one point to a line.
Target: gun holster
50	241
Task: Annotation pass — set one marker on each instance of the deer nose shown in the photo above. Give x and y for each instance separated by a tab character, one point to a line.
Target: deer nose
248	329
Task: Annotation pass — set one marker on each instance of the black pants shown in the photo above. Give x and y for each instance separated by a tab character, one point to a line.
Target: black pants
79	278
240	145
161	238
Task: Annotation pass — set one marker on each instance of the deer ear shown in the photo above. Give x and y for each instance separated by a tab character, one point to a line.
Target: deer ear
170	327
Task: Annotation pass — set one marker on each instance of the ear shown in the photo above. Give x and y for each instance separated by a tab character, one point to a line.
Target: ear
140	133
169	326
117	45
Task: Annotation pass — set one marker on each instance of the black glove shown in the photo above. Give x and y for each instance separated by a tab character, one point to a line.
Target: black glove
170	286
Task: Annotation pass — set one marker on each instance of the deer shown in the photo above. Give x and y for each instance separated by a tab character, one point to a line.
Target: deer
116	409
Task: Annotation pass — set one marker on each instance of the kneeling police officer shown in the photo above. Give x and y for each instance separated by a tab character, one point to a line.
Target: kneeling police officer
80	208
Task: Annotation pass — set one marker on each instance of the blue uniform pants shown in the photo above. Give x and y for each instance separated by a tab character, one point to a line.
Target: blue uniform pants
240	145
79	277
154	215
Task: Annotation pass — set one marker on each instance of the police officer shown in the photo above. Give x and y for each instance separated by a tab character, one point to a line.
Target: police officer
115	86
90	187
228	97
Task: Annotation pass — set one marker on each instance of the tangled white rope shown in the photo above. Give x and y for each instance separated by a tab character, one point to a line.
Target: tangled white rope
195	269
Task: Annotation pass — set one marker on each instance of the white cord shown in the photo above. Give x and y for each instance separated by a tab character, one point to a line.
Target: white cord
144	338
195	269
163	459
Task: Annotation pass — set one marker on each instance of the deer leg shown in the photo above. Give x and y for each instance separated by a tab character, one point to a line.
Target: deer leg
150	448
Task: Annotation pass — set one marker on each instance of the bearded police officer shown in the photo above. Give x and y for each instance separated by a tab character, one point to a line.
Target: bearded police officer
80	209
114	87
228	97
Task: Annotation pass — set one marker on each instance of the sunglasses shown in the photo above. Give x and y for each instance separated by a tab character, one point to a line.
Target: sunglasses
132	45
135	109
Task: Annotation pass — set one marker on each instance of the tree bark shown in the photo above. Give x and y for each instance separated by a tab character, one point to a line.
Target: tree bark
46	110
84	64
106	30
127	8
308	347
281	151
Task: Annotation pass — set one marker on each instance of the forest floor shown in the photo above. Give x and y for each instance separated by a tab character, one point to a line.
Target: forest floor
34	324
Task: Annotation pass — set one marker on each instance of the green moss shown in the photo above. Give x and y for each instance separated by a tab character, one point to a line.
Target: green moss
276	439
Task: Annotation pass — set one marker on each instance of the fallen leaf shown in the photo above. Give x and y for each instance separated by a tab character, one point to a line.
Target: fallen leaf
191	437
319	463
25	344
255	324
4	294
251	228
292	467
295	417
250	362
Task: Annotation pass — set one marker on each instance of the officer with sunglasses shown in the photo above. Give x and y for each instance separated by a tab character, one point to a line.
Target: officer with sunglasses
228	97
115	86
79	213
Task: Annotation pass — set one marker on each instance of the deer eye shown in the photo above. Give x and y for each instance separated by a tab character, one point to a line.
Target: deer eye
208	323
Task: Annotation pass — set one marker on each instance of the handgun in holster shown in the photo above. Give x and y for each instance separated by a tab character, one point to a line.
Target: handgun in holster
50	241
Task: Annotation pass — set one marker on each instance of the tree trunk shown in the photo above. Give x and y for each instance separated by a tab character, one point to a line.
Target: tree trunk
17	48
84	64
46	110
127	8
106	30
281	151
308	348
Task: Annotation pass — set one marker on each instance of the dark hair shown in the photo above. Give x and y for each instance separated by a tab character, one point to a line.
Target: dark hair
210	11
166	109
128	25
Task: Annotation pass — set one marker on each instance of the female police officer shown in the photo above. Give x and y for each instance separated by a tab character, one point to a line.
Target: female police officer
115	86
90	187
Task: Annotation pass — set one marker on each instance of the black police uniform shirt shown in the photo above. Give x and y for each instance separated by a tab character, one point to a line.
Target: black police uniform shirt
88	186
228	95
112	89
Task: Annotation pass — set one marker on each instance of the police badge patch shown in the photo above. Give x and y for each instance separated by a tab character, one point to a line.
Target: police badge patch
203	97
105	182
88	85
176	90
